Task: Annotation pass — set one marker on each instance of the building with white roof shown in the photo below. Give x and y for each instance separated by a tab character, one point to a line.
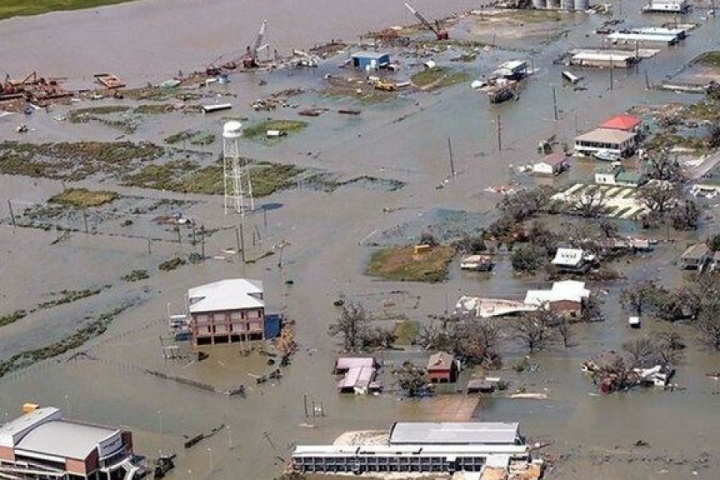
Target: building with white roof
614	141
227	311
422	447
572	260
42	445
566	297
663	6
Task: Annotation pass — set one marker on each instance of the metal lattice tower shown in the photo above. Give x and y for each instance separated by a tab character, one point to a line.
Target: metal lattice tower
236	172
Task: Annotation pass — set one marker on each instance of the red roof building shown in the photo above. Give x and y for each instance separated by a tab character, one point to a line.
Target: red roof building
627	123
441	367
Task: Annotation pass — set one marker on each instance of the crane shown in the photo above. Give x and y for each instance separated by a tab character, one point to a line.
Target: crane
250	58
440	34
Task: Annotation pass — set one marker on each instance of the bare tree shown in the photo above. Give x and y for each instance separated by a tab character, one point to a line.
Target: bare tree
590	204
708	323
661	167
352	325
525	203
477	342
562	327
377	337
533	329
713	140
592	309
411	379
474	341
637	297
470	245
685	216
528	258
608	229
659	197
669	345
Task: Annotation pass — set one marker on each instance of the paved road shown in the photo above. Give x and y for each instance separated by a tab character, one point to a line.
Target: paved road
698	171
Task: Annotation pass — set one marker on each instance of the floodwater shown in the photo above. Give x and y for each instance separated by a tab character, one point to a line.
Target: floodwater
327	235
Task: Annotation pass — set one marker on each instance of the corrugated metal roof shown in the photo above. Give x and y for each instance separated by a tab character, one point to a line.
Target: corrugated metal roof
65	439
454	433
232	294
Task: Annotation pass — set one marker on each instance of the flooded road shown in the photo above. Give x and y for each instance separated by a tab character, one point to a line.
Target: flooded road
405	140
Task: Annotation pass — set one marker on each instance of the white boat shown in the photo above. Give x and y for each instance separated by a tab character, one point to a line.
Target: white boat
606	156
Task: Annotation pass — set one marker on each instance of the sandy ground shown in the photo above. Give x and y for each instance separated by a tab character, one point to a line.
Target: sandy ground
404	140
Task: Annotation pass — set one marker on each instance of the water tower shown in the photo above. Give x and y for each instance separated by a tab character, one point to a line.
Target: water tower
236	172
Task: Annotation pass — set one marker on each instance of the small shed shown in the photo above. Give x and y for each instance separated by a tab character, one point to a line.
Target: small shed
441	367
552	164
630	179
695	257
273	324
605	176
370	60
477	263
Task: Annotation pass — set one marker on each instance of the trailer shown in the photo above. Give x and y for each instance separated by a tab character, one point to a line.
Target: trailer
570	77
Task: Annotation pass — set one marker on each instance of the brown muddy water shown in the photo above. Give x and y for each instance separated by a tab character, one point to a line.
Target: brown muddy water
328	233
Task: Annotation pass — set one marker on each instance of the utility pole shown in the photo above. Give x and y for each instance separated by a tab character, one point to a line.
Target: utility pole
242	243
555	110
499	133
12	215
85	220
237	238
202	241
452	161
647	81
612	73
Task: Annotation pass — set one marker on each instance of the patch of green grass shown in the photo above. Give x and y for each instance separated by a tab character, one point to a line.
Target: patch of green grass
12	317
74	160
704	110
17	8
155	94
159	177
136	275
154	109
96	327
172	264
406	331
178	137
69	296
437	77
203	139
401	264
270	178
84	115
206	181
710	59
534	16
260	129
82	197
188	177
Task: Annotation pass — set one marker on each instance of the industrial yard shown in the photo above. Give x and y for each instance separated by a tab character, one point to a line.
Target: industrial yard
366	165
